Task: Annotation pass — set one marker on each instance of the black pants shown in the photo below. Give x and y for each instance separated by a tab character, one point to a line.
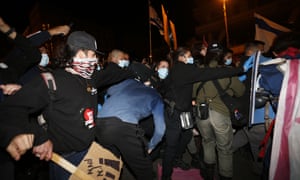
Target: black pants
129	140
176	141
7	166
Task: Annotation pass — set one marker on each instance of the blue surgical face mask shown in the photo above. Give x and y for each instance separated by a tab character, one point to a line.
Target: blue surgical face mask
190	60
163	73
44	60
228	62
123	63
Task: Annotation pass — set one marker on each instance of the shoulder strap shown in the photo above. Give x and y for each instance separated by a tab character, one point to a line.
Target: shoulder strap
199	87
219	88
50	82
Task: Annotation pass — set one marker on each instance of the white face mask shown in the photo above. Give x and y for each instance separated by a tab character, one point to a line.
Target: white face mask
163	73
123	63
228	62
190	60
44	60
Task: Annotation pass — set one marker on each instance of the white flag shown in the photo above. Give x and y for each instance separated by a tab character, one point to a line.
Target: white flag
285	156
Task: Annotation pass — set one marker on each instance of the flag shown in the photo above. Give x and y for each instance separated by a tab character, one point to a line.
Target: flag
266	30
285	156
169	30
155	20
204	42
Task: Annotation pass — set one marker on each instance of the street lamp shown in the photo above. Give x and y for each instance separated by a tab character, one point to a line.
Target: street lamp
226	24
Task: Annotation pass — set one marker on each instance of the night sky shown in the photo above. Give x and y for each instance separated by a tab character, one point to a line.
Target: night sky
115	24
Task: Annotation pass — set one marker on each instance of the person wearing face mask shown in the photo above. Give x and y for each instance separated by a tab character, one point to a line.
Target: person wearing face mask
227	57
20	59
157	77
45	60
71	115
114	70
163	72
118	57
10	70
179	82
42	66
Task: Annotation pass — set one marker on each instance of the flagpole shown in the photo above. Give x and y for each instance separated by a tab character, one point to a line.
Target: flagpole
150	44
150	35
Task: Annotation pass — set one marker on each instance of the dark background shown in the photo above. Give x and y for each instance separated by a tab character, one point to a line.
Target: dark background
124	23
115	24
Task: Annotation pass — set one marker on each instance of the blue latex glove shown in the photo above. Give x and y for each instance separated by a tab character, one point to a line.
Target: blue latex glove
248	63
242	77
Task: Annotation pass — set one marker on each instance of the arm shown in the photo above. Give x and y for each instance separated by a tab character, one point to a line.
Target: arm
237	87
10	89
44	151
40	37
15	111
112	74
194	74
17	63
159	124
19	145
6	29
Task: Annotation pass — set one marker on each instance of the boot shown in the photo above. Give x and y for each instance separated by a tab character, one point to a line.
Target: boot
178	162
208	172
197	161
225	178
166	178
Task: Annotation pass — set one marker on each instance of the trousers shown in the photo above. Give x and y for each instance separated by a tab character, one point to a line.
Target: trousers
128	139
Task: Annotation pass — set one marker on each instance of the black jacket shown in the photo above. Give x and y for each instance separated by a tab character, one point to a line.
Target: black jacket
182	77
20	59
70	116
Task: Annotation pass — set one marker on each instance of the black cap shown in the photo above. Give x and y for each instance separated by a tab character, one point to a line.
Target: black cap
215	47
142	72
82	39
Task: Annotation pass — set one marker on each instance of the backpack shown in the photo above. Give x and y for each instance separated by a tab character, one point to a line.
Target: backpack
50	82
238	120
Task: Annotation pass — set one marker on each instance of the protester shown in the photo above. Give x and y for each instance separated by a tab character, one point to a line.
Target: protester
10	71
119	57
117	126
160	74
12	68
199	51
115	67
180	81
157	77
29	164
228	57
70	115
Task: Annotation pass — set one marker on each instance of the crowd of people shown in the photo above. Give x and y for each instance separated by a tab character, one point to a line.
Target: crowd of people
133	109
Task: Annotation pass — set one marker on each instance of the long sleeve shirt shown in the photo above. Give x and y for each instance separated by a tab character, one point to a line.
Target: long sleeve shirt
25	55
131	101
182	77
70	115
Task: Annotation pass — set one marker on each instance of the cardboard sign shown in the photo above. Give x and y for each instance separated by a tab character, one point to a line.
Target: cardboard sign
100	164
